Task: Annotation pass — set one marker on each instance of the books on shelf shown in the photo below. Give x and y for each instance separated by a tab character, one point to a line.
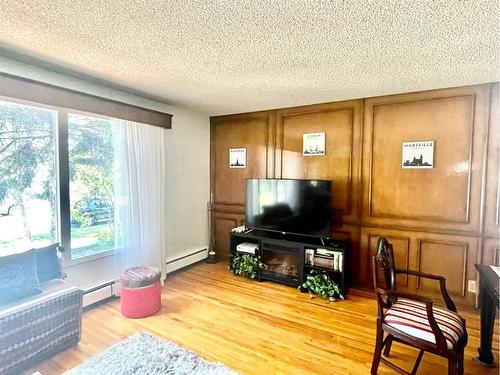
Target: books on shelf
309	255
324	261
324	258
327	251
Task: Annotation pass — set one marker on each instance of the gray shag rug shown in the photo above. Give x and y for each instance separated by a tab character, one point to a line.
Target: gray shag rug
145	354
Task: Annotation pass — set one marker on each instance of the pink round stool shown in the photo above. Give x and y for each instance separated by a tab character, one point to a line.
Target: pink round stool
140	294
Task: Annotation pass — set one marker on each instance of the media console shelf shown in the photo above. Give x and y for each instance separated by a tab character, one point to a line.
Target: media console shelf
290	257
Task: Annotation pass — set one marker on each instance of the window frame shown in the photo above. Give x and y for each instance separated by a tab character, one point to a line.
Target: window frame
61	118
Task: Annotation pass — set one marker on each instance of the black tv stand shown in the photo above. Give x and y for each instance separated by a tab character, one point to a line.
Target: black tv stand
284	255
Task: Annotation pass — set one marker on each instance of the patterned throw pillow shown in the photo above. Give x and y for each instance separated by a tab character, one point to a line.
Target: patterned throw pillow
48	265
18	277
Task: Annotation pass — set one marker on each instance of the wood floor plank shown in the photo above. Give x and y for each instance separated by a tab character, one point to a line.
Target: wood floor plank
258	328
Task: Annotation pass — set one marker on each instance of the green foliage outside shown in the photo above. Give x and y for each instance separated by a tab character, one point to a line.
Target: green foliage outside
105	240
319	283
91	163
27	147
79	216
27	159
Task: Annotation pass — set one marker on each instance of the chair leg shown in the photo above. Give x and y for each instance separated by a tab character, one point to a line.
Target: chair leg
387	348
417	363
378	349
460	362
452	365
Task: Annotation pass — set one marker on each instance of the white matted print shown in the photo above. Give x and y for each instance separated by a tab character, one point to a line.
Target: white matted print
418	154
313	144
237	158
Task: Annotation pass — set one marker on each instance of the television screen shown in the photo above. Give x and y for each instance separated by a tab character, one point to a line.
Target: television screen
292	206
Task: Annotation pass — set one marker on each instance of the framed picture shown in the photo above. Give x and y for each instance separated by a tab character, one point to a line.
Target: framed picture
237	158
313	144
418	154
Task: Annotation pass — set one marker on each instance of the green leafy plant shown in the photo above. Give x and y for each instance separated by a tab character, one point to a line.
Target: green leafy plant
246	265
79	216
320	283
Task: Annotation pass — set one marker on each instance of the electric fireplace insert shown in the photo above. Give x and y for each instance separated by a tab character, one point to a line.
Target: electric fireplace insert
282	262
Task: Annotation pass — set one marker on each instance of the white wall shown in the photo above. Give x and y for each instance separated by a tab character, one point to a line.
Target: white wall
188	179
188	159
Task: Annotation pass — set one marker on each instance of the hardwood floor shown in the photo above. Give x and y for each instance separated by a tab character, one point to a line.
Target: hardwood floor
258	328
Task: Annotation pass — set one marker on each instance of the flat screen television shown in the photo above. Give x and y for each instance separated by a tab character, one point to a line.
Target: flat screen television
290	206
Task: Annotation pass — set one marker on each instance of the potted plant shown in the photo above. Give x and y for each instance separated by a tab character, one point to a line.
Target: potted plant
320	283
246	265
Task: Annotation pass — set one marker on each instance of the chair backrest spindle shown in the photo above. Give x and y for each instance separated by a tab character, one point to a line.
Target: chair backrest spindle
384	269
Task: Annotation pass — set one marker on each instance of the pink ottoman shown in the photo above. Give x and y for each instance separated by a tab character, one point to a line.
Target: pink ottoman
140	294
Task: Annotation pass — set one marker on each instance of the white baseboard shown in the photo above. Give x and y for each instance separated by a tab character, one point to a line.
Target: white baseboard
99	294
110	289
173	264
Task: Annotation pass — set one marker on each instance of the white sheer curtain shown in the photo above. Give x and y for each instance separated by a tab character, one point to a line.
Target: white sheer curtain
139	196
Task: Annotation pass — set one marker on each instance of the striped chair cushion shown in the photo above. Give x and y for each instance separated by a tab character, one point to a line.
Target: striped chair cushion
410	317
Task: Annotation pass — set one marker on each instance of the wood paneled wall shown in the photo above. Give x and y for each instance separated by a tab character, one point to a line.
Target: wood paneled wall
441	220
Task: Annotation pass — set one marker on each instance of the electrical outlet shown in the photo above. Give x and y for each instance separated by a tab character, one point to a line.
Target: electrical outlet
471	287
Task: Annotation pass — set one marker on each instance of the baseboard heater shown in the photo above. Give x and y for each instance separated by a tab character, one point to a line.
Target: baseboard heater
100	293
186	260
111	289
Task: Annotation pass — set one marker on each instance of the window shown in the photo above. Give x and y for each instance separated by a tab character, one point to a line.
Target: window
28	194
91	164
57	180
31	213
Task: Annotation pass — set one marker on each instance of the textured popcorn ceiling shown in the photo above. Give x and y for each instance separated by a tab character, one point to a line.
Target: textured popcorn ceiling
236	56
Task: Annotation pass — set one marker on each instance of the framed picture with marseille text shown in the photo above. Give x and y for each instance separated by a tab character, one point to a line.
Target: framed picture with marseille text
418	155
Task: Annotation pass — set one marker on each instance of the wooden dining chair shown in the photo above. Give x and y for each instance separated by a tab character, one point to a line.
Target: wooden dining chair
412	319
